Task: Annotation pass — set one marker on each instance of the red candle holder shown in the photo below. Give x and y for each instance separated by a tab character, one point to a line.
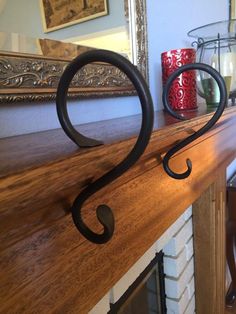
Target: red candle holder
183	93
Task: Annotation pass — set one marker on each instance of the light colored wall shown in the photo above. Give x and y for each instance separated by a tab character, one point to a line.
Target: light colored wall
27	118
168	23
23	16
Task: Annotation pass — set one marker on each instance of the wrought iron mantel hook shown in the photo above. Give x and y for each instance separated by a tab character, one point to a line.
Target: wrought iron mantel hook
104	212
223	100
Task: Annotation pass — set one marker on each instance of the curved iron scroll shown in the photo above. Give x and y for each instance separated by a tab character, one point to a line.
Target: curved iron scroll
104	213
223	100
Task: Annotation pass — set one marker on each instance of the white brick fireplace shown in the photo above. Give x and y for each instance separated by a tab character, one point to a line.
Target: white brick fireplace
177	245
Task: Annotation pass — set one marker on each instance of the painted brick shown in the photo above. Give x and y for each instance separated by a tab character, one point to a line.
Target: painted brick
175	287
177	306
188	213
123	284
173	229
173	266
176	244
191	288
191	307
189	249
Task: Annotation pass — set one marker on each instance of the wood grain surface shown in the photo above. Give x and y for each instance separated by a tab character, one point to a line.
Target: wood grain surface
46	265
209	218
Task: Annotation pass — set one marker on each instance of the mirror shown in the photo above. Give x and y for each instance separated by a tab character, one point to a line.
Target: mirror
31	63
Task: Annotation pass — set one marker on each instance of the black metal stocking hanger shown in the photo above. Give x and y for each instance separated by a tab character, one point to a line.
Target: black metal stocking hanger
222	103
104	213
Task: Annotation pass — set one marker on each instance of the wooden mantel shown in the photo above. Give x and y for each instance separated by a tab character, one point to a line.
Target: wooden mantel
45	264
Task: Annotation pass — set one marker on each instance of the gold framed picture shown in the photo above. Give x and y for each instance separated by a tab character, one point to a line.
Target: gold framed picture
58	14
232	9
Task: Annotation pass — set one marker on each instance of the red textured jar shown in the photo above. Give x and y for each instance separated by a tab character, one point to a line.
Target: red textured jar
183	92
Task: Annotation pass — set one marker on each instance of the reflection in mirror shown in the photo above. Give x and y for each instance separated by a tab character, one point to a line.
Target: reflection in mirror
31	61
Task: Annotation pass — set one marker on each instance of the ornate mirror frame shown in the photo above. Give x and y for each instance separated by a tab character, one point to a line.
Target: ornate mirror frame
35	78
232	9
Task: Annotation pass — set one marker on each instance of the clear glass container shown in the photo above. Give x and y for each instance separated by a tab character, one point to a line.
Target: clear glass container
216	46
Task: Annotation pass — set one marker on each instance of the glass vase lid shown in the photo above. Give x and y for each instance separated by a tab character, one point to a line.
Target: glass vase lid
216	46
223	29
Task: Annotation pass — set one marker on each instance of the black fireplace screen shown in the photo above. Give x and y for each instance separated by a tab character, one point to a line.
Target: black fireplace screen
147	294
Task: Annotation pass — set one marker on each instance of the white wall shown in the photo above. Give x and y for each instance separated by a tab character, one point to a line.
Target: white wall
168	23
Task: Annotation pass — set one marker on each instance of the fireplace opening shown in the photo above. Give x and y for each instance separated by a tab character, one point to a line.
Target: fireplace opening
147	293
